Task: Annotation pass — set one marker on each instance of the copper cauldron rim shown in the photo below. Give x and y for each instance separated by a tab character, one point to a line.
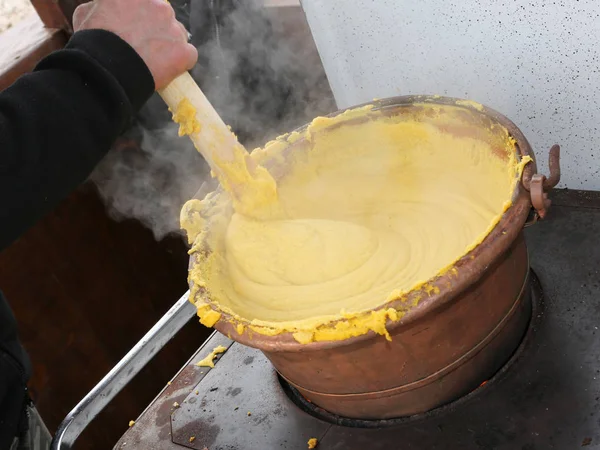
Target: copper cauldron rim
469	268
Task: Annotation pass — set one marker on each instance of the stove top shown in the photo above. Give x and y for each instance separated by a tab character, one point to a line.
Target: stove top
546	397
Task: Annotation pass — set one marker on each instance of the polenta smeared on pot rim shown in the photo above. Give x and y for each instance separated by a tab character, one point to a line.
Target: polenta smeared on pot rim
367	208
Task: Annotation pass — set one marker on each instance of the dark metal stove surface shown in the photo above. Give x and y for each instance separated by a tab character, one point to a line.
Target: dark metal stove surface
547	397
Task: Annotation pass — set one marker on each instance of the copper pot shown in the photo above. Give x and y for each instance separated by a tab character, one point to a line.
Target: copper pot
453	340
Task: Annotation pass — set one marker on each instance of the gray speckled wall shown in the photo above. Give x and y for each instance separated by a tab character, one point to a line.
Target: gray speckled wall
537	62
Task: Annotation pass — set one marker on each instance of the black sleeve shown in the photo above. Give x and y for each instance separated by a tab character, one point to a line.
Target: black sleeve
57	123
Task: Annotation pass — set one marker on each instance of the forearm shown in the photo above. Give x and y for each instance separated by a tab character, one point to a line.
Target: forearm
58	122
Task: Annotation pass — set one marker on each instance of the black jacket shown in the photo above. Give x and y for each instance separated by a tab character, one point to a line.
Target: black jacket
56	124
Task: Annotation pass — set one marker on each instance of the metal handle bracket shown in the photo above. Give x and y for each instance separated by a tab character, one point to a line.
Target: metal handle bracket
131	364
539	185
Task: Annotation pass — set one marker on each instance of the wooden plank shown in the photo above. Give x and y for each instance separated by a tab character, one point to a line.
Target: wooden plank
24	45
51	14
57	14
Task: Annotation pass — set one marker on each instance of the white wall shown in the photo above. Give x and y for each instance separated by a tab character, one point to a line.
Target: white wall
535	61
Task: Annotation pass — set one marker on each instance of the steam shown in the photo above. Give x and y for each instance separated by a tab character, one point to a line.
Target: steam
151	182
260	81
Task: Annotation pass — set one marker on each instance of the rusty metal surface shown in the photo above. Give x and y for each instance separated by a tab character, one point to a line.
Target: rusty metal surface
579	199
153	431
217	416
547	398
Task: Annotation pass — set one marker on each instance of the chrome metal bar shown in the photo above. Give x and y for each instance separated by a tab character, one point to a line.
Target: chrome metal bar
94	402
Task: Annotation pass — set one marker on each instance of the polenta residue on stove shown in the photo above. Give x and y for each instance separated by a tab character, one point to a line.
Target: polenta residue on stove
369	207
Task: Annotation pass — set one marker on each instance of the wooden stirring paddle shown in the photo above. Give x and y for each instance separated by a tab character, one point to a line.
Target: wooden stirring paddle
252	187
199	120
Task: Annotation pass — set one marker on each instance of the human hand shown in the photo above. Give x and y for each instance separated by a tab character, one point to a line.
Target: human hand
150	27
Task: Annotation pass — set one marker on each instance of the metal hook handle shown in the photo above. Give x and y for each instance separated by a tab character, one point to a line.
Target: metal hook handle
538	185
